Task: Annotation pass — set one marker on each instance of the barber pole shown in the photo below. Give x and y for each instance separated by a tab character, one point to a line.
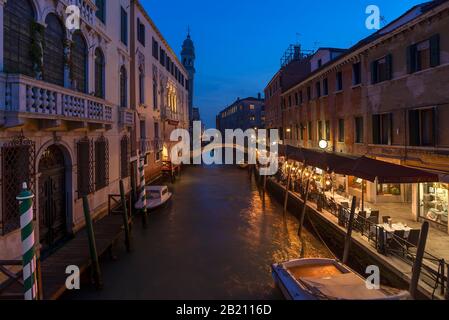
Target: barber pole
25	199
142	193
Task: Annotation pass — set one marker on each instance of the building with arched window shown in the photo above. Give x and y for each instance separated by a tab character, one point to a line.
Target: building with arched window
70	101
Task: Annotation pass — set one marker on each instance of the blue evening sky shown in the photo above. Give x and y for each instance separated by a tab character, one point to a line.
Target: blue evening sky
239	42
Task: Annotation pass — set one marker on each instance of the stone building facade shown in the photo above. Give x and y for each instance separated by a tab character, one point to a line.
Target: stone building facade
387	98
70	110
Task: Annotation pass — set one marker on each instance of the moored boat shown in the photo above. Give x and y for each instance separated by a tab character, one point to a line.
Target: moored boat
156	197
327	279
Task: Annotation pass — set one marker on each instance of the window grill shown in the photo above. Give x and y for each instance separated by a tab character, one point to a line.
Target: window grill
101	163
18	166
124	157
85	168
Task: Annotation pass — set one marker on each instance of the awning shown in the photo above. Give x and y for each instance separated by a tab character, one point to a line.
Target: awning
363	167
385	172
314	158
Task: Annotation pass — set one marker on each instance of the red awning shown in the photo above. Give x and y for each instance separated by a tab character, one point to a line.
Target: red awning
385	172
363	167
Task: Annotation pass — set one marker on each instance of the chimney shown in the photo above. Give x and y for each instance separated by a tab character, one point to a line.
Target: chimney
259	96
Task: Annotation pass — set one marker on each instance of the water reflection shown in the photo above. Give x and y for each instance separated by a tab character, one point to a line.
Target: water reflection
216	240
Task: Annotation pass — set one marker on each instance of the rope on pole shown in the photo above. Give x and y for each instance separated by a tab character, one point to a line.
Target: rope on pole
25	199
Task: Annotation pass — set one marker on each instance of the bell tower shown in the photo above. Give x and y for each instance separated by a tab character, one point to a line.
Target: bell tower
188	60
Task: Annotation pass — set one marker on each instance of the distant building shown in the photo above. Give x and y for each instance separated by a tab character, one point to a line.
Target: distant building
242	114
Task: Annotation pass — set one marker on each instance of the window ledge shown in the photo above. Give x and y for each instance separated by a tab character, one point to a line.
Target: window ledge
356	86
338	91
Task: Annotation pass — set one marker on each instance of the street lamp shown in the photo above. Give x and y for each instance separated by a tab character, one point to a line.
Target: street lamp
323	144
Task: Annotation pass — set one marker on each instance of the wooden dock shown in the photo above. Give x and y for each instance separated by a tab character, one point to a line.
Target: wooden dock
76	252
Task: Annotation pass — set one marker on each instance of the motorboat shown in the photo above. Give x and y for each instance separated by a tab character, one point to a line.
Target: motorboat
327	279
156	197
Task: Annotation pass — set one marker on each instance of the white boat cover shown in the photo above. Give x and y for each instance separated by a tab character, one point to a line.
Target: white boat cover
346	286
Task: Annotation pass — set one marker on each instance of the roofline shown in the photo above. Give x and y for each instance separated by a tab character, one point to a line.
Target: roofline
159	33
360	46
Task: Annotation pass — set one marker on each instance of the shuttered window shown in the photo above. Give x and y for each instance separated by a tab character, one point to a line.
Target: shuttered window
424	55
79	62
54	57
382	69
101	10
99	74
124	157
422	127
85	167
124	26
101	163
18	20
382	128
123	88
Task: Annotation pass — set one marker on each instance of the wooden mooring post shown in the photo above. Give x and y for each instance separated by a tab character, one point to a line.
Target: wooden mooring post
349	232
304	208
417	265
92	244
287	188
125	217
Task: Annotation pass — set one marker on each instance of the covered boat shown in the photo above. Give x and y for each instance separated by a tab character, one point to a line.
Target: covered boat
327	279
156	197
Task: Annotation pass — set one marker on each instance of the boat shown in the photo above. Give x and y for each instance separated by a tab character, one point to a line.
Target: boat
156	197
327	279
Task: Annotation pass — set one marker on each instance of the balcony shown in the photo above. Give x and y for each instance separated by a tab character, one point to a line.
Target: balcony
158	145
87	9
146	146
126	117
173	117
28	99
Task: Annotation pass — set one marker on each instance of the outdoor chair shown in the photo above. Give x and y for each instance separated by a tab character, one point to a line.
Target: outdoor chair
413	238
397	242
375	215
371	224
385	219
360	222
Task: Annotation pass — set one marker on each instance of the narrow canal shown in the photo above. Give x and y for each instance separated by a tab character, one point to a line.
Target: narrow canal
215	240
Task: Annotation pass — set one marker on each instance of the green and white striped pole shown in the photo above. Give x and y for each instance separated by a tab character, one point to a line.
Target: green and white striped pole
142	193
27	229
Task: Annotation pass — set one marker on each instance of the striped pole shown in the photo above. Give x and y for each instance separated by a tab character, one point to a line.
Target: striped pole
142	193
27	229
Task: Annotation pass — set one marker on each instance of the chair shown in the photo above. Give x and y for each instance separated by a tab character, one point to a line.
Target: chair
397	242
413	239
371	224
385	219
375	215
361	221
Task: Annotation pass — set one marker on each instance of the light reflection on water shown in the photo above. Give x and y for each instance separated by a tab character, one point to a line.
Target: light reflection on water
216	240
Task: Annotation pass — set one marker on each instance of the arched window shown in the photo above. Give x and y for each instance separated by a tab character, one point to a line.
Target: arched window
141	85
79	62
124	157
155	103
123	88
54	50
101	163
99	73
85	167
18	20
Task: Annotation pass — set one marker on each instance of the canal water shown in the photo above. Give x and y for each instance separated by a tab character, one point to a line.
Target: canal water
216	239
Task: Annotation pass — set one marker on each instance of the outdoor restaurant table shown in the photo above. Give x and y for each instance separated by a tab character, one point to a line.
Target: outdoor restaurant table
395	227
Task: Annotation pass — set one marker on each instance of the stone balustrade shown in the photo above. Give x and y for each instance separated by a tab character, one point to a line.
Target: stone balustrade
38	99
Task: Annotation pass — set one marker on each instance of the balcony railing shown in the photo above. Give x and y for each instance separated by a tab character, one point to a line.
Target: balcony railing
87	9
126	117
146	146
168	114
158	145
33	98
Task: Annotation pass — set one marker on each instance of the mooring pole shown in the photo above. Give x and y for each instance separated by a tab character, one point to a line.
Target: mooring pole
416	271
92	244
446	296
142	191
287	187
125	217
349	233
304	208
